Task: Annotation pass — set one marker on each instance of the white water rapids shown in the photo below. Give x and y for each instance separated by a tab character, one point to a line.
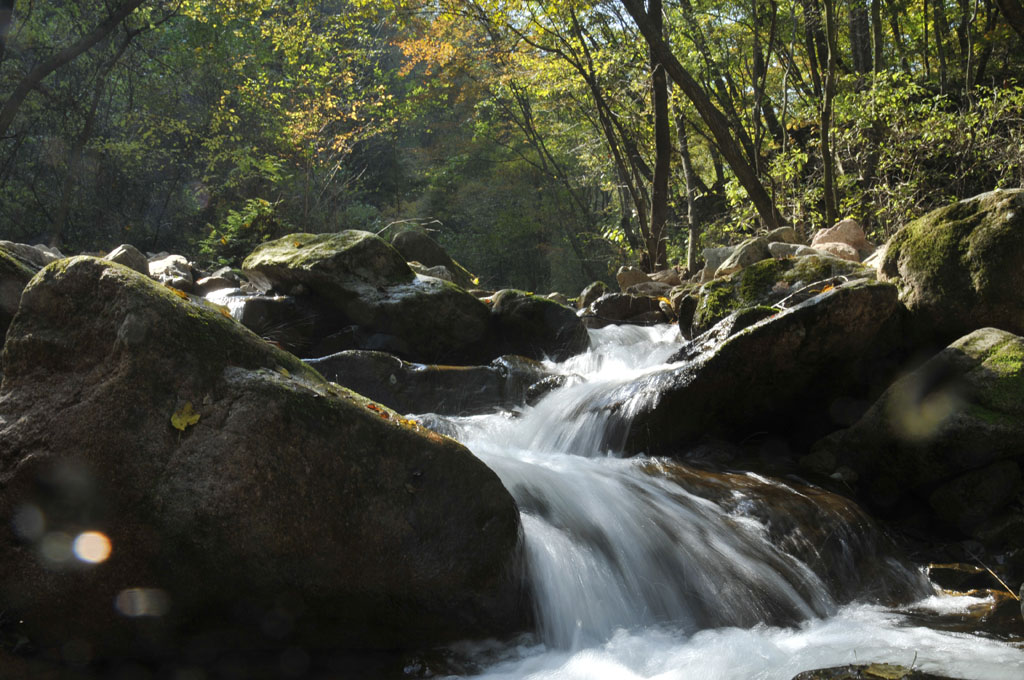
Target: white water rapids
642	568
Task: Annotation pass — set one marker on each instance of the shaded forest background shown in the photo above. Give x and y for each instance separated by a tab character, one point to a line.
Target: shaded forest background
543	143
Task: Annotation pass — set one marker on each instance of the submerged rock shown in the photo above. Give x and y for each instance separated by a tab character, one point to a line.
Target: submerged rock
445	390
961	267
169	479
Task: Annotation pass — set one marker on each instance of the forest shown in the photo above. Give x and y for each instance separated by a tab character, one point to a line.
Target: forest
542	143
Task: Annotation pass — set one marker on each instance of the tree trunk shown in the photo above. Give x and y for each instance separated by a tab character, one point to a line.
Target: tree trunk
689	176
828	162
662	150
1014	13
860	39
717	124
6	16
876	36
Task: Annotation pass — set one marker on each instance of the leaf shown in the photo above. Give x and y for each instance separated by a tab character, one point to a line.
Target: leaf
184	417
180	293
283	371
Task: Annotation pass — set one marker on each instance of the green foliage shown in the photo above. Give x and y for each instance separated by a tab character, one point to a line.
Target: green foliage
242	230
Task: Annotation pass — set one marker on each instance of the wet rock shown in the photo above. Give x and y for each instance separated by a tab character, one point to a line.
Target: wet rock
772	375
172	270
619	308
415	246
591	293
14	275
747	253
446	390
961	267
130	257
536	327
630	276
370	286
248	503
874	671
711	339
951	433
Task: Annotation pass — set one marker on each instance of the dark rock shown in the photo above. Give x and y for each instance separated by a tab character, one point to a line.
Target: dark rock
14	275
536	327
35	257
619	308
447	390
772	375
415	246
961	267
130	257
874	671
591	293
249	503
936	434
438	272
711	339
649	289
369	285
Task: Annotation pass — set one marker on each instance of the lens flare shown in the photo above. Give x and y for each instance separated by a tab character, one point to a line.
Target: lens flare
92	547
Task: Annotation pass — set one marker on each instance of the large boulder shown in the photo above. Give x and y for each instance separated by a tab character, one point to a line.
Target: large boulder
535	327
14	274
415	246
961	267
367	282
768	282
947	439
772	376
447	390
747	253
848	232
615	308
168	480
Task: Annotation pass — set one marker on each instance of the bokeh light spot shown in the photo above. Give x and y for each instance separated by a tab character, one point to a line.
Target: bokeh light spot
92	547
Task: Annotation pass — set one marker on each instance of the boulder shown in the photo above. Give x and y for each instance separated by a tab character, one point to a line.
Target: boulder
773	375
559	298
713	259
782	235
619	308
438	272
846	231
591	293
949	435
630	276
747	253
172	270
170	481
840	250
130	257
36	257
961	267
669	276
415	246
368	283
769	282
447	390
536	327
780	250
14	274
650	289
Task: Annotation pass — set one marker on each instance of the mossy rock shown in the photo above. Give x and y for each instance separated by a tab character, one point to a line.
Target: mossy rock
536	327
14	274
415	246
234	484
765	283
961	412
961	267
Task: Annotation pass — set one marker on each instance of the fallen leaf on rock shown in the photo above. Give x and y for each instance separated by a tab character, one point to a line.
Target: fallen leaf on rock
184	417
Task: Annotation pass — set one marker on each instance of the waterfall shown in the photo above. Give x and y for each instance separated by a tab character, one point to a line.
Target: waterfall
636	552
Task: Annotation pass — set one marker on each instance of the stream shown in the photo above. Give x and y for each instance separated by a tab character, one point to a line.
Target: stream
648	568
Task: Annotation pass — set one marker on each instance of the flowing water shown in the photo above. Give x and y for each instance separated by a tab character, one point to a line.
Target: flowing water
645	568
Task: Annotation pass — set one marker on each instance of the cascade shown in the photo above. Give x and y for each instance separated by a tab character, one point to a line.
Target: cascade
642	567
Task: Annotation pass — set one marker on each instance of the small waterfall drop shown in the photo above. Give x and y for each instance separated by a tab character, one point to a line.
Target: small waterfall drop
628	552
